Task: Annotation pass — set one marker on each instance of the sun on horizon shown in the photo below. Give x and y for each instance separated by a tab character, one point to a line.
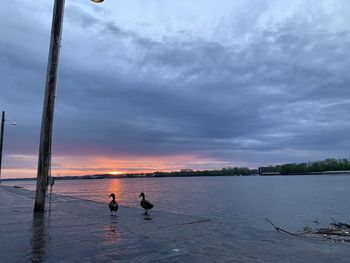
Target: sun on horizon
116	173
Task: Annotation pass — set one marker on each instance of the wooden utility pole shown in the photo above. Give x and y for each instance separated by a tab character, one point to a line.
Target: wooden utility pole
2	139
44	161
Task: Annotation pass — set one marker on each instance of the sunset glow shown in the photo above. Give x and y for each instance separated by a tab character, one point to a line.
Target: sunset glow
115	173
24	166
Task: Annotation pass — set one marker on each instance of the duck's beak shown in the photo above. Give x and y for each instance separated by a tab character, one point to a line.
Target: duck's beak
140	195
110	195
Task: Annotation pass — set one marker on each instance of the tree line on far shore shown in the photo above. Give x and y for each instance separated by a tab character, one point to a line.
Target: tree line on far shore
229	171
327	165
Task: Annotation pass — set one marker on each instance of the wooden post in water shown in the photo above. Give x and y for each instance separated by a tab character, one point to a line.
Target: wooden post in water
2	139
44	161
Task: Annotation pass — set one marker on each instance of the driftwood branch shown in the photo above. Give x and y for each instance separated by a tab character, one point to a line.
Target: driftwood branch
336	232
282	230
332	232
195	222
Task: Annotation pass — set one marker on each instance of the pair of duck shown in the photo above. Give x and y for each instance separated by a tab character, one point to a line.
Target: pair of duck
145	204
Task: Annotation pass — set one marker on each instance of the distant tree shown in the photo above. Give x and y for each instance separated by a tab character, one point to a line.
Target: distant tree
330	164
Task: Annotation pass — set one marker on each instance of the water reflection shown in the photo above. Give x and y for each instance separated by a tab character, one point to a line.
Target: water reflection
115	187
112	235
38	241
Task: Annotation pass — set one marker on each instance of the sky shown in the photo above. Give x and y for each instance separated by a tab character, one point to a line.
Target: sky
157	85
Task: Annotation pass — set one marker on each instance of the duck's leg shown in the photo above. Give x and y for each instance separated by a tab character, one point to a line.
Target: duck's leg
146	212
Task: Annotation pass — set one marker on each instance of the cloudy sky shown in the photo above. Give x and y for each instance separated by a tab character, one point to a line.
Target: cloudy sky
165	85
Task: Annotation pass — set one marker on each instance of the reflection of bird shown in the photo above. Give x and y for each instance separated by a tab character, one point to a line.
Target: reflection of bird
113	205
147	205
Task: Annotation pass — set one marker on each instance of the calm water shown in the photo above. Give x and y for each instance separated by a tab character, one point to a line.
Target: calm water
291	202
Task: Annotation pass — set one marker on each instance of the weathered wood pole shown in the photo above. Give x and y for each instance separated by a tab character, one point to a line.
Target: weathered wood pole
2	139
44	160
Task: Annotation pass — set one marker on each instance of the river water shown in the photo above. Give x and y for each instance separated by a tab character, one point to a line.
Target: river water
291	202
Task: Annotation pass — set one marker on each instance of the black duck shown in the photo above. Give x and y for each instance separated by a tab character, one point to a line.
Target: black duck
145	204
113	205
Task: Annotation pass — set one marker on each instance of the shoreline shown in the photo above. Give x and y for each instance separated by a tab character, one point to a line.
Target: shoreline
100	177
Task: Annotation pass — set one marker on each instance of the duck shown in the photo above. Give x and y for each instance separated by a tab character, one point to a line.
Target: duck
113	205
145	204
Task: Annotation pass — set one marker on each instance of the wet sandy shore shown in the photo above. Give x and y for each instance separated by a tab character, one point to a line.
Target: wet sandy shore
79	230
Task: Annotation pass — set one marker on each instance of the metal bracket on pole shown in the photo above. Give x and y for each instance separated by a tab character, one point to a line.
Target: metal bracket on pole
51	183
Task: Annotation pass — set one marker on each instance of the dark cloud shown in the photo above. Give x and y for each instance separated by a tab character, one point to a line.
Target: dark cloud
284	89
74	14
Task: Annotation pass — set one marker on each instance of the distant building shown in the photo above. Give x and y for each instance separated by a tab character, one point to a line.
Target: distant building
267	171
